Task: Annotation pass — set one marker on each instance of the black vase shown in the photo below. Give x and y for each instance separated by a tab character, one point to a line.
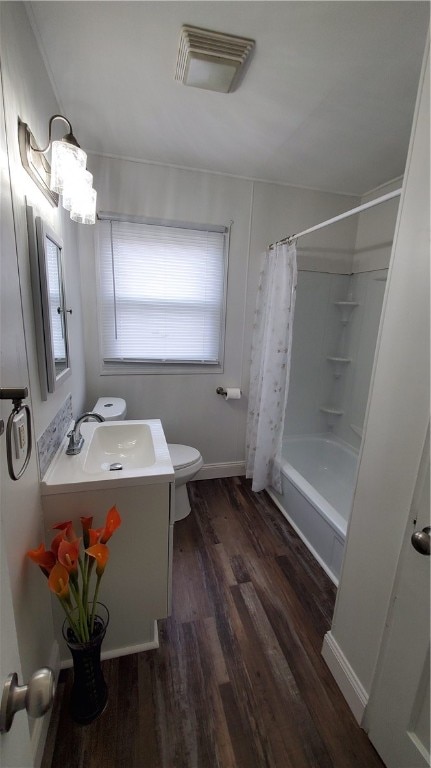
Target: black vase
89	694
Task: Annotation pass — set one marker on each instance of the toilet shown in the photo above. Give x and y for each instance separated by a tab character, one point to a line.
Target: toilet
186	460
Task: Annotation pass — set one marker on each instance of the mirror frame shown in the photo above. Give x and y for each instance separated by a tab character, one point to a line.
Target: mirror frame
39	233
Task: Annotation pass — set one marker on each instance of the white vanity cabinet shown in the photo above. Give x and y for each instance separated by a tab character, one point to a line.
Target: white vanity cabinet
136	585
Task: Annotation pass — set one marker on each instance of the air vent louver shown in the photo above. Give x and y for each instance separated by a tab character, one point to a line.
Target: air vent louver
211	60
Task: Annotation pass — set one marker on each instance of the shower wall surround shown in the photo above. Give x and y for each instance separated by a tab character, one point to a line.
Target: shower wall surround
368	289
316	330
319	334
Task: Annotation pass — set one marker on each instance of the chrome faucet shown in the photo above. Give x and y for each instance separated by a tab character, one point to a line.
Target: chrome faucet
76	441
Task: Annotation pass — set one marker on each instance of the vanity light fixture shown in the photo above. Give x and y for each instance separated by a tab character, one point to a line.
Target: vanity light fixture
211	60
67	176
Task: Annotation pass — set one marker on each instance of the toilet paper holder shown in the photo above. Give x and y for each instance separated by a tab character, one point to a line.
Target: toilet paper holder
224	392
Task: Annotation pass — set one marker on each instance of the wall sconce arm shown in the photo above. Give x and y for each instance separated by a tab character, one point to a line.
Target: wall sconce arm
69	138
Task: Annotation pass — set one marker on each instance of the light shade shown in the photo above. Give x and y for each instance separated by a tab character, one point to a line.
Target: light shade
210	74
84	206
66	160
211	60
76	185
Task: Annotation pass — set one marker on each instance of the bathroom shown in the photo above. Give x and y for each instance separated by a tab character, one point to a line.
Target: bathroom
262	212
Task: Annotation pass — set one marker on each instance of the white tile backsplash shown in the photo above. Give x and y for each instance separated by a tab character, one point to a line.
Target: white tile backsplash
50	440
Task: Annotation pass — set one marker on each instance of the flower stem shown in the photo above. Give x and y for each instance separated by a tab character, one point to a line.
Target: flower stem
72	624
96	593
82	618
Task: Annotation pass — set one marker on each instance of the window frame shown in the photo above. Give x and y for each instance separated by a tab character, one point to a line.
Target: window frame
139	367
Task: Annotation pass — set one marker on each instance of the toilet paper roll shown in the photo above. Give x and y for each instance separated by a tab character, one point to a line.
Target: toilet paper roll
232	393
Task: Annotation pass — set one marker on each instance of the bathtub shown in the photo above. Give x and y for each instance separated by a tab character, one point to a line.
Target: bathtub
318	474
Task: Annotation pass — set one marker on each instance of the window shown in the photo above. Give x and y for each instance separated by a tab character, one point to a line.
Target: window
162	293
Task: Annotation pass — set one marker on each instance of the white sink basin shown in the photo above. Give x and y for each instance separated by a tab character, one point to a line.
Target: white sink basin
139	447
126	444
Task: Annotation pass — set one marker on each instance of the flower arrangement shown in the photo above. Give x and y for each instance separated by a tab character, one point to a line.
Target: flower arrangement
69	574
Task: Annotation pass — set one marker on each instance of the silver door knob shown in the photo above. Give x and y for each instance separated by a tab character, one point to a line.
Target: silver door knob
421	541
36	697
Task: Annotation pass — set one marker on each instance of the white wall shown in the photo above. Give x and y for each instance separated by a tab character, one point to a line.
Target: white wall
187	404
27	93
395	429
376	228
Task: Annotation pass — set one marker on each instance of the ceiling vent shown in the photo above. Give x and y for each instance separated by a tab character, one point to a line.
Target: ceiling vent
211	60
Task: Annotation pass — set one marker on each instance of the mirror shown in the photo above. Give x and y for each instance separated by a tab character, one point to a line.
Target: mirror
46	258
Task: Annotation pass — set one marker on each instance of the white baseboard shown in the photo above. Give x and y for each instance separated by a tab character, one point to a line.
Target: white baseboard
224	469
125	650
346	679
41	724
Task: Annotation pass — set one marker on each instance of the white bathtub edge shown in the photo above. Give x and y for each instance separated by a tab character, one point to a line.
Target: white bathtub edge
320	504
315	554
345	677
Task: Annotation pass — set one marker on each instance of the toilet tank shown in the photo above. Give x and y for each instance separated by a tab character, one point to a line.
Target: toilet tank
111	408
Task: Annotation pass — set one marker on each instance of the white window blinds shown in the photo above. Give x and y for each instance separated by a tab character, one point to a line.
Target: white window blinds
162	293
55	297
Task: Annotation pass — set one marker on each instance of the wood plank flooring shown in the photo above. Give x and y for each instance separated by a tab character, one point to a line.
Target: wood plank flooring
238	680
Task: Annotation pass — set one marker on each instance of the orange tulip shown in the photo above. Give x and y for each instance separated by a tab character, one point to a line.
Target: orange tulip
44	559
86	523
94	535
62	526
55	543
68	554
113	521
58	581
101	554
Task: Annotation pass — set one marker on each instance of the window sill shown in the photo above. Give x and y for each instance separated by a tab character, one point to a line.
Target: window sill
140	369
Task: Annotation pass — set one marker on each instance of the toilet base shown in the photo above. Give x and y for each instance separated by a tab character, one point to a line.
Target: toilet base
182	504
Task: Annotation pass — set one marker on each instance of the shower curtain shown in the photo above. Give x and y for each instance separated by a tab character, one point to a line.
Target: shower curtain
270	366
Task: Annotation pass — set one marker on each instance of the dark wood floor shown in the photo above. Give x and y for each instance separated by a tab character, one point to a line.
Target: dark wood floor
238	680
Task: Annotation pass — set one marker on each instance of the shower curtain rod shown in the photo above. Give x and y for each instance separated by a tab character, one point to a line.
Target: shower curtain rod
344	215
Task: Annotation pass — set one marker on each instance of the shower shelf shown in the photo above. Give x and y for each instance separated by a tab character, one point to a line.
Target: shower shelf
346	308
332	414
339	363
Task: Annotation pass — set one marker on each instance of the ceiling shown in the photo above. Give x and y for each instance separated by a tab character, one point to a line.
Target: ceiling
327	101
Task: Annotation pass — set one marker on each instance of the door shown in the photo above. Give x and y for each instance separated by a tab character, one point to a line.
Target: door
399	709
15	748
398	713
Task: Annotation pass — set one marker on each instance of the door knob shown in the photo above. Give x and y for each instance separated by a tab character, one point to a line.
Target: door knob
421	541
36	697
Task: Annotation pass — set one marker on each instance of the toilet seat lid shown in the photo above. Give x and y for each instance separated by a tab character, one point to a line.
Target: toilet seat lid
111	408
183	455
